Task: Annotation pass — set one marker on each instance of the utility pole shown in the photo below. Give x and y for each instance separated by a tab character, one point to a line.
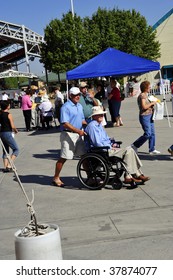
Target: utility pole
72	8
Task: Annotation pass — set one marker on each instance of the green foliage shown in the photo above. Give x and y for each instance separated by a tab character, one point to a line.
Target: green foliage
63	42
72	40
12	83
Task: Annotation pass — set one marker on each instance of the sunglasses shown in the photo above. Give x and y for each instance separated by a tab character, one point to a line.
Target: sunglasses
79	94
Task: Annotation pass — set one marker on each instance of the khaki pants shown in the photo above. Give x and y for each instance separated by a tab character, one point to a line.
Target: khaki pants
129	156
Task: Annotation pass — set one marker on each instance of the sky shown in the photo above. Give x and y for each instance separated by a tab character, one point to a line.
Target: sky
36	14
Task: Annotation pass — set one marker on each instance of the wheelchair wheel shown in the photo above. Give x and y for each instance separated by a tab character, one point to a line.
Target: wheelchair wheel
92	171
117	184
117	166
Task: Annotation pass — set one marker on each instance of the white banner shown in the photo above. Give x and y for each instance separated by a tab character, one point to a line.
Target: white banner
87	269
13	74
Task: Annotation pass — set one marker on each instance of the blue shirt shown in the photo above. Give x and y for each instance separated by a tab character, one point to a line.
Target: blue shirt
97	134
73	114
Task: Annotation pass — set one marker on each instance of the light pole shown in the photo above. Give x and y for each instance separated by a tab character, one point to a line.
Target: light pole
72	8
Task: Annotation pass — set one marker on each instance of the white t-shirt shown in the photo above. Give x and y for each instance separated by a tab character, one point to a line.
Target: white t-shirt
46	108
5	96
59	99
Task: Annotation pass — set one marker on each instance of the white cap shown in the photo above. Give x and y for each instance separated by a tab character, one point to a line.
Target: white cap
74	90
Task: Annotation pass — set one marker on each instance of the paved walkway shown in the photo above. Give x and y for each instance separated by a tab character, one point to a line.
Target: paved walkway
104	224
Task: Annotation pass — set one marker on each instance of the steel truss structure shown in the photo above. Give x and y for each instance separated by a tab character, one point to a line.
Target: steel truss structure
18	44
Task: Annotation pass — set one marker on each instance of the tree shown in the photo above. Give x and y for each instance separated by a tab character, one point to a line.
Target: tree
12	82
63	41
72	40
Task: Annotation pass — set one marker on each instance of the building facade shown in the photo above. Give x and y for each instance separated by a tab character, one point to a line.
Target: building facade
164	29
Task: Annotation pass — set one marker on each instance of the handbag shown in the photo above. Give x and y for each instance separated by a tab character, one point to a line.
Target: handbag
158	111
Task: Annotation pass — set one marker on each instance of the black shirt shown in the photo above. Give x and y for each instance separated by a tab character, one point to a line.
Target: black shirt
5	122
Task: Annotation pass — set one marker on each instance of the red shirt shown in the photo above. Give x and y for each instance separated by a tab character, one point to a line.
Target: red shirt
116	94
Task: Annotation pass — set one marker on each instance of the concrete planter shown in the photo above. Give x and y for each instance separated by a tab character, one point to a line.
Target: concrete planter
42	247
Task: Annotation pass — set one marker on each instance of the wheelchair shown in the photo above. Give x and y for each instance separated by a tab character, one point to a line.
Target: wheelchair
96	169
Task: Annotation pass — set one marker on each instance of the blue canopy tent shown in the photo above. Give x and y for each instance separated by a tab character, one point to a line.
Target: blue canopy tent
112	62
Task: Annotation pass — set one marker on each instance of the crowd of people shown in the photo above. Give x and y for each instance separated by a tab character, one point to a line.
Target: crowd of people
84	112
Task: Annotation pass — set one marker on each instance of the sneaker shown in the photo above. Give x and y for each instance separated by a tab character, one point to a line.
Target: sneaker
170	151
155	152
134	148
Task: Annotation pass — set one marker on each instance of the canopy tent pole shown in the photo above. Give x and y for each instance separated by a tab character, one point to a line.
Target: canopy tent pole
164	97
152	77
67	89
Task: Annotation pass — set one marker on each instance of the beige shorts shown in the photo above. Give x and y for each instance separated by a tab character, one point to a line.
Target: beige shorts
71	145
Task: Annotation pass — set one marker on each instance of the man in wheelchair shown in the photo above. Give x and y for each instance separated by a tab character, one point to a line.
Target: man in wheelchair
99	138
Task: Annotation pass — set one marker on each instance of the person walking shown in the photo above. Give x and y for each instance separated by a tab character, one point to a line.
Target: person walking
72	120
27	107
146	120
7	137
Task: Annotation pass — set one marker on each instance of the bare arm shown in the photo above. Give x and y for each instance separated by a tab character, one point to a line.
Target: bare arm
12	123
147	106
110	96
95	102
74	129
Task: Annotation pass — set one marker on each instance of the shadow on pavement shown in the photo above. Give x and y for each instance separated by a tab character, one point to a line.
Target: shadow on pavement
52	154
161	157
43	180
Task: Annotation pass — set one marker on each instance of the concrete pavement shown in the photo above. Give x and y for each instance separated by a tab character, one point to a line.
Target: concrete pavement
104	224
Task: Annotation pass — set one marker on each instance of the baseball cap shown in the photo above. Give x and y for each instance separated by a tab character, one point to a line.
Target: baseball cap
74	90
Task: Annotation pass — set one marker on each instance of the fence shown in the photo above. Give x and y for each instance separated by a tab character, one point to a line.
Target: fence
157	89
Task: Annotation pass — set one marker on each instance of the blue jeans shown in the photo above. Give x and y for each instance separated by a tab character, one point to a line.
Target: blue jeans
149	132
9	142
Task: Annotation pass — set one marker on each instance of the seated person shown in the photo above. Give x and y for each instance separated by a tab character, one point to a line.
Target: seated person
46	112
98	138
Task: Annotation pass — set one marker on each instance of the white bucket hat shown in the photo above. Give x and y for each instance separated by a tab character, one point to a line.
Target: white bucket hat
97	110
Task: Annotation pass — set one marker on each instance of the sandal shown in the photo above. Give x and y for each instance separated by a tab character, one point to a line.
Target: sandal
8	170
58	184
